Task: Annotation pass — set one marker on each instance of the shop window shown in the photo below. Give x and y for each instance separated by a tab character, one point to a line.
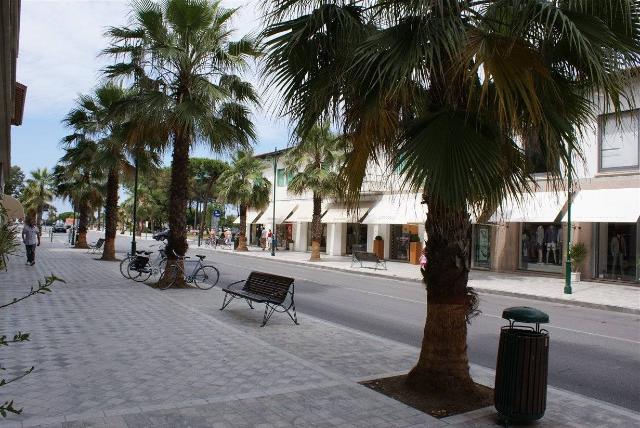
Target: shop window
482	246
281	178
618	141
400	238
617	251
537	159
541	247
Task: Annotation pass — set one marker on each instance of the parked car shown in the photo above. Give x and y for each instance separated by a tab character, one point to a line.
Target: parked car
59	228
162	235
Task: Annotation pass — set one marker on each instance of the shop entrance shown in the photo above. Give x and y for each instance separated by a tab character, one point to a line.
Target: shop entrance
356	237
323	239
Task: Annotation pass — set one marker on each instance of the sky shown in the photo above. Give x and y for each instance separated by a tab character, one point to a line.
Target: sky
59	59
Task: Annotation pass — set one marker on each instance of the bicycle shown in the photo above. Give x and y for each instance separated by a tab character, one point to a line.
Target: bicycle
125	262
202	276
140	268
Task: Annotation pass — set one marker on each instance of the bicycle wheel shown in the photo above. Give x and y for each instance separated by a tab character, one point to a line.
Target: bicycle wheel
139	274
168	277
206	277
159	269
124	267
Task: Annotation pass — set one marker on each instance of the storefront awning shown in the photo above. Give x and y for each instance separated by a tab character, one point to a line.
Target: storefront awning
304	212
540	207
403	208
13	206
606	206
283	211
252	216
337	213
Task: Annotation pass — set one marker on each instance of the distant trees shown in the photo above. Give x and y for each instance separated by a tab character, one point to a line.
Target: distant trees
38	193
15	184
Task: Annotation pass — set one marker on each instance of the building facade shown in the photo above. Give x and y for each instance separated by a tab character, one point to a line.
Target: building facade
528	236
12	94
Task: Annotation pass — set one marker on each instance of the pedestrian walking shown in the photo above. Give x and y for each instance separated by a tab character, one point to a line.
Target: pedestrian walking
269	238
31	239
263	238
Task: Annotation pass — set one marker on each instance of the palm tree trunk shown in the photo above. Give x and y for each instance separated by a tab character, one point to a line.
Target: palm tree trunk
242	238
111	216
443	365
316	228
178	198
81	240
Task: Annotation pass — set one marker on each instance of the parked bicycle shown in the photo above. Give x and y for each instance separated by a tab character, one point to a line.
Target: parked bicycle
202	276
137	266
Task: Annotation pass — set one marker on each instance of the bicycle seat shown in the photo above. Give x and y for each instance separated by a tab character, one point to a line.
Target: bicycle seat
201	257
139	252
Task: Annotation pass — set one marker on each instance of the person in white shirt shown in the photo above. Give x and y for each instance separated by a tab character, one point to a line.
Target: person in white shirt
31	239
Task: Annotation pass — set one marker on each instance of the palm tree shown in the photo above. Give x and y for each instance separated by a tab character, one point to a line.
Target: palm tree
183	60
453	93
38	193
244	185
97	116
80	179
314	164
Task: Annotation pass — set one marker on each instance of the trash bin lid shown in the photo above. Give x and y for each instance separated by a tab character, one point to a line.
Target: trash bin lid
525	314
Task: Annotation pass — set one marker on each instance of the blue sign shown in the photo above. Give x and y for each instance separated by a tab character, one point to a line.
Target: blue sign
217	213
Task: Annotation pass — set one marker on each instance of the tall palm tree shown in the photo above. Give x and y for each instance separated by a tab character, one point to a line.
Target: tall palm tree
453	92
243	184
315	165
80	179
38	193
97	116
183	48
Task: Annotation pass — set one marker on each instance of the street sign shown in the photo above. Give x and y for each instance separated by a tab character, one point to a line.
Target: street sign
217	213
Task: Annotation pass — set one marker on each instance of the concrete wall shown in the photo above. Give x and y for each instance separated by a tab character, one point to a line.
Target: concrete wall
505	244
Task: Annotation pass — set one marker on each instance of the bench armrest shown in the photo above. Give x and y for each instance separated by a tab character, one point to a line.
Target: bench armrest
236	283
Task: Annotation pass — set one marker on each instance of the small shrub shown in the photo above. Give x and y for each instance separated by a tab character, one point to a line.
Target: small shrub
578	253
378	238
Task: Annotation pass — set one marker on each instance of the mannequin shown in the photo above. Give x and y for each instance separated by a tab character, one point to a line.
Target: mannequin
618	250
540	242
551	238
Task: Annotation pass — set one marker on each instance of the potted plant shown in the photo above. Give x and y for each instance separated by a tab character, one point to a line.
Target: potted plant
415	249
378	247
578	253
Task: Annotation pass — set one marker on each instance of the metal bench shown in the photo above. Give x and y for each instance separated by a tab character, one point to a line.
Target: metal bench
363	256
275	291
96	246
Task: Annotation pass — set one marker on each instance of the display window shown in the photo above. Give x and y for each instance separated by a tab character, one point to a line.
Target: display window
400	238
356	237
541	247
617	251
482	246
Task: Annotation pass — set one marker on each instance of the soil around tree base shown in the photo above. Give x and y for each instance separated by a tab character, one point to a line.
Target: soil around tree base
437	406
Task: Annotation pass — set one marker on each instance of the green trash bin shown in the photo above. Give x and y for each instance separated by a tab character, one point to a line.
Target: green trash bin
520	392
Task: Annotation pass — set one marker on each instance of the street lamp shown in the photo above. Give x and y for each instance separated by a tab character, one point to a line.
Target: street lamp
273	219
567	277
135	207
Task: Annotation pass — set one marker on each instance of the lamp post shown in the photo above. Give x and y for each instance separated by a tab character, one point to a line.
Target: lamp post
273	219
567	277
135	208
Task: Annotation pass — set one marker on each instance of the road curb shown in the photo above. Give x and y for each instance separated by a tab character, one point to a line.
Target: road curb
579	303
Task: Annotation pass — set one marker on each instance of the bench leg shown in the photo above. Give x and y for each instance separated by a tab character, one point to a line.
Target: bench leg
225	303
250	303
268	311
294	318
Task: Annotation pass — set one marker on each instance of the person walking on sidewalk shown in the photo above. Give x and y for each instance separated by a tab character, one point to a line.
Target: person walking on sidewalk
31	238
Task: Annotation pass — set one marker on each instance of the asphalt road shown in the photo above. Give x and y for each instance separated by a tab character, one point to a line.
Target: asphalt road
593	352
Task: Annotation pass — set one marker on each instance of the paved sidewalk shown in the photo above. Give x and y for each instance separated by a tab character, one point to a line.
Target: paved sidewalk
600	295
109	353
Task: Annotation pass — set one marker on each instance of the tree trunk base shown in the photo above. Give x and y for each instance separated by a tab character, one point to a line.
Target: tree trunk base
109	251
443	366
81	241
315	252
242	244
